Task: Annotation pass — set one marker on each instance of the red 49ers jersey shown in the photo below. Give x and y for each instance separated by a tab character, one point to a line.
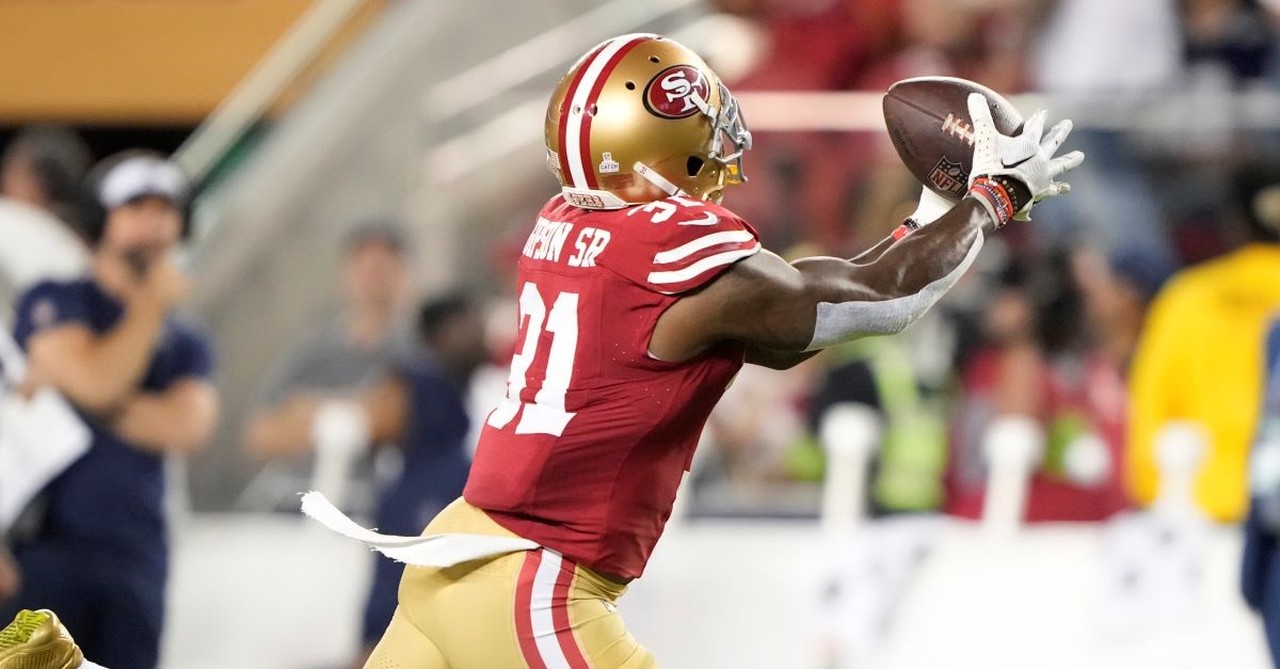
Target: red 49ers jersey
586	451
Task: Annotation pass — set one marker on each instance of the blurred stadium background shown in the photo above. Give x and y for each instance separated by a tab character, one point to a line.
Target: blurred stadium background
959	496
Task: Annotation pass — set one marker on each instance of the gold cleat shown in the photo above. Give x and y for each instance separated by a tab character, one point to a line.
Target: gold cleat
36	640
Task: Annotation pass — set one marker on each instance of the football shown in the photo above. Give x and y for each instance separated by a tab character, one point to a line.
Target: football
929	125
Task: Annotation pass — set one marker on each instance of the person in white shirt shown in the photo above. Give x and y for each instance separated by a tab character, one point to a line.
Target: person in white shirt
41	171
1075	60
40	176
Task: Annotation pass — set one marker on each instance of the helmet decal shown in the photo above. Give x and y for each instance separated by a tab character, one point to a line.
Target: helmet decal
608	165
676	92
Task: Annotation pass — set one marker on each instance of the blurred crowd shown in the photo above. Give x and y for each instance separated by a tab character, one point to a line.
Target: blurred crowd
1069	320
1143	300
1155	70
94	281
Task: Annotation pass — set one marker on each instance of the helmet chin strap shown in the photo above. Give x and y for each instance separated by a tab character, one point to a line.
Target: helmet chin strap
656	179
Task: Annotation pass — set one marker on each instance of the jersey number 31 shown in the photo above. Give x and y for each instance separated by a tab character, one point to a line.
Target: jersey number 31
546	415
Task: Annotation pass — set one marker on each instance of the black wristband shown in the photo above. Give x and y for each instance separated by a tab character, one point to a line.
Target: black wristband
1018	192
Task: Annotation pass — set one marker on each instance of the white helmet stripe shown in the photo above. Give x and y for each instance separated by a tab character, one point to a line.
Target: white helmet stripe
574	138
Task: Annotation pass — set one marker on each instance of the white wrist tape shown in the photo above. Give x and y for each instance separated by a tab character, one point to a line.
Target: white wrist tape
839	322
930	208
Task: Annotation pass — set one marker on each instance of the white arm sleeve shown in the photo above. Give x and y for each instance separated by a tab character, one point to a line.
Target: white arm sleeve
839	322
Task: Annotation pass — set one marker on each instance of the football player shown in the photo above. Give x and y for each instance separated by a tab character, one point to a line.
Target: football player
640	297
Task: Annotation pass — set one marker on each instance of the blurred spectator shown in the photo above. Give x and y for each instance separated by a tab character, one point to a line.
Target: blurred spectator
801	182
40	175
1117	289
1233	36
1076	53
43	167
1116	292
421	407
1039	363
1201	349
757	422
1074	60
880	373
941	38
139	377
812	44
346	354
1229	48
1260	572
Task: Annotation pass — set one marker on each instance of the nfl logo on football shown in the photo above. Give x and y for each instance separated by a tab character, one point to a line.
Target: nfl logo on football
949	177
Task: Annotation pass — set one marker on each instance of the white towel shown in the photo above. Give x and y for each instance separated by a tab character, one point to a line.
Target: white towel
39	438
436	550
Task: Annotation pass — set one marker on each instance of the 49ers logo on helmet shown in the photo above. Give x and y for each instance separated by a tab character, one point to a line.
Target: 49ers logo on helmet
670	93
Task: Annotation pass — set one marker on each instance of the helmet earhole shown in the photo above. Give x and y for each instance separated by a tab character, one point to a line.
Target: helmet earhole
654	59
694	165
631	85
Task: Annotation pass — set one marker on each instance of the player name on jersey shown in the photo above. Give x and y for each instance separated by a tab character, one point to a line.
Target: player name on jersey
548	239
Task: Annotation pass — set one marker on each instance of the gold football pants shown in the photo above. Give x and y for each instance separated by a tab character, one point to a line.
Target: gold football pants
533	609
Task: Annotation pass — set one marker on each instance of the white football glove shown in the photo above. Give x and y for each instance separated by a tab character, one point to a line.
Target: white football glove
1027	158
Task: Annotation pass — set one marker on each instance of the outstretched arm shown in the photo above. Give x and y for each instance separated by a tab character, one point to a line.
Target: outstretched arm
785	312
931	207
818	302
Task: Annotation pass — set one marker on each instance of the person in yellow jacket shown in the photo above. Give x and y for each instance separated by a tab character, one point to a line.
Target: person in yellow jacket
1201	355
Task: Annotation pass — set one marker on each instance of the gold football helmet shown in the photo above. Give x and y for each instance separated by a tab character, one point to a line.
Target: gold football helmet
640	118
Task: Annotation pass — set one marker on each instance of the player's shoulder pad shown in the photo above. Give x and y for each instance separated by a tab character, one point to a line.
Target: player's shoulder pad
681	244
